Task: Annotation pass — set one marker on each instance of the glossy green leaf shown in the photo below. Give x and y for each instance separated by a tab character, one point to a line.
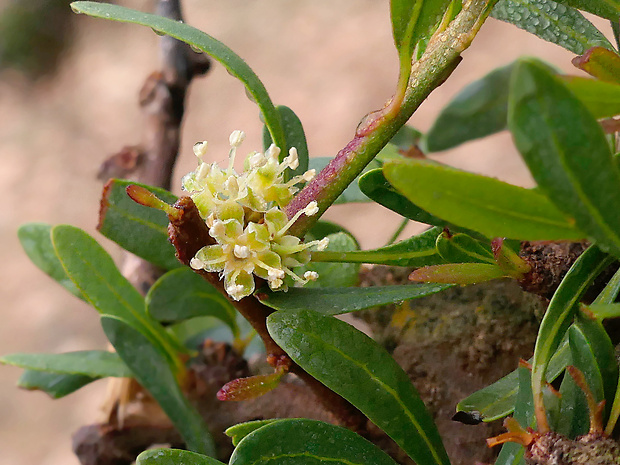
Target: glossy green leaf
414	252
552	22
201	41
479	110
174	457
489	206
92	363
37	243
237	432
335	301
413	21
602	63
299	441
362	366
609	9
601	98
295	137
374	185
94	273
561	311
610	291
461	248
573	414
182	294
591	340
498	399
54	384
566	152
152	370
141	230
334	274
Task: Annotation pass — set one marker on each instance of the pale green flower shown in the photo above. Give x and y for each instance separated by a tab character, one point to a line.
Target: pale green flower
245	217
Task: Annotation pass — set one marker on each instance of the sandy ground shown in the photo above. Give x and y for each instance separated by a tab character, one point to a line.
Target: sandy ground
332	62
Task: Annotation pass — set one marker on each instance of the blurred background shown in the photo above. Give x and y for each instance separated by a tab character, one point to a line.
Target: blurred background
68	99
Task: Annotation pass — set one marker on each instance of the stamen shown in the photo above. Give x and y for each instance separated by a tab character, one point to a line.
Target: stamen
311	209
293	159
200	149
257	160
241	251
272	152
311	275
236	138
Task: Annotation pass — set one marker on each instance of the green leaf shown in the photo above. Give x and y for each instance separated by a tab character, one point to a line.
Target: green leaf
94	273
602	63
152	370
182	294
335	301
498	400
461	248
562	309
201	41
237	432
479	110
295	137
374	185
413	21
458	273
489	206
299	441
316	342
334	274
37	243
552	22
174	457
566	152
573	414
141	230
601	98
602	311
594	355
414	252
92	363
609	9
54	384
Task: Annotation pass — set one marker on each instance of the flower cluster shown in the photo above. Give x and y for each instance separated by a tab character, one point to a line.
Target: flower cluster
244	213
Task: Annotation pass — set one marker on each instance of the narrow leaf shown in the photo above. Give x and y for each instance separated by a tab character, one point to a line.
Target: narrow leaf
182	294
552	22
141	230
174	457
335	301
93	271
152	370
489	206
37	243
602	311
295	137
299	441
315	342
561	311
237	432
92	363
479	110
457	273
201	41
54	384
414	252
566	152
